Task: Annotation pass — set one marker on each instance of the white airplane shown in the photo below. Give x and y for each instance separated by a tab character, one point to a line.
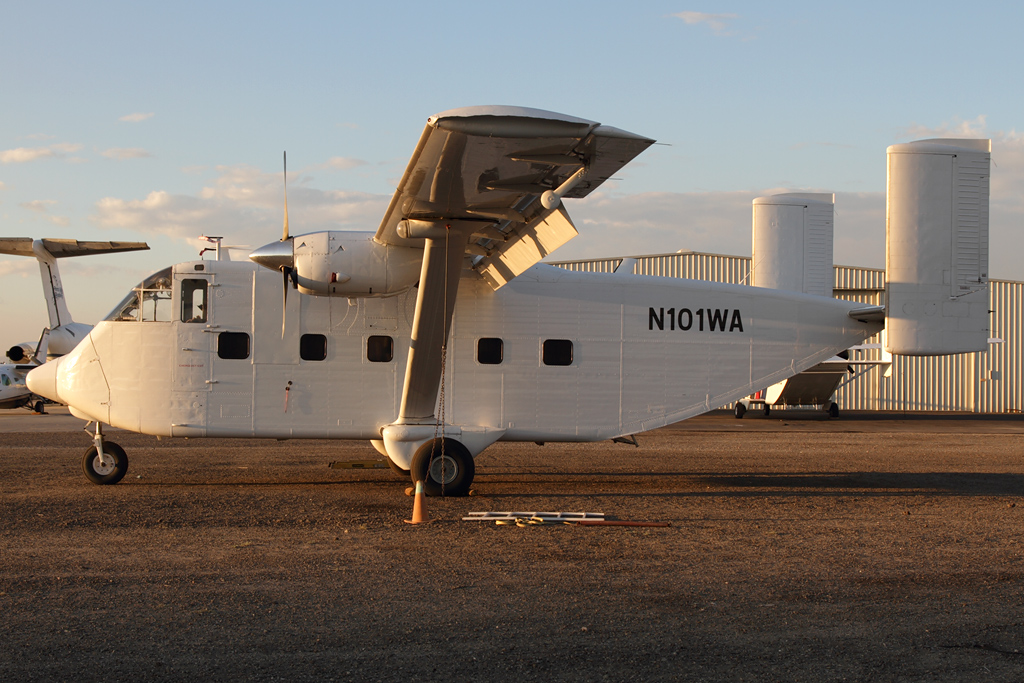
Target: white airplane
65	333
440	333
13	392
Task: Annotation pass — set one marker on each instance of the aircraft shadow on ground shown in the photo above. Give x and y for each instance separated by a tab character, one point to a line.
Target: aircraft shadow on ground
690	484
787	484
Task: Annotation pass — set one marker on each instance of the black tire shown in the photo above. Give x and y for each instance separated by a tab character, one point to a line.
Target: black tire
38	408
105	475
404	474
457	466
833	410
767	410
740	411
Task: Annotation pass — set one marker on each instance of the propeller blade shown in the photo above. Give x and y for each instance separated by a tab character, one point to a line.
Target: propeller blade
285	238
284	307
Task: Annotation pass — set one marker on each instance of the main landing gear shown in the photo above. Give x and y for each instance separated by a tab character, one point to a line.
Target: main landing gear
445	467
104	462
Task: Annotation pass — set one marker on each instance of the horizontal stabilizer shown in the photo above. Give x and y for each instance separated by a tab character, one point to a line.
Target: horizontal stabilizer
868	314
22	246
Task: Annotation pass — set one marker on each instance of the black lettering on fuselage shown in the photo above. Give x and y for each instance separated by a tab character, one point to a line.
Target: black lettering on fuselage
716	318
682	319
737	321
689	319
656	318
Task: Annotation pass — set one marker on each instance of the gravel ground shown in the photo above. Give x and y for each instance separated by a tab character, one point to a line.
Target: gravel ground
866	548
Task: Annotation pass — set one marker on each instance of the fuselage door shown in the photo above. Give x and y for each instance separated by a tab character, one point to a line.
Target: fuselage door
193	333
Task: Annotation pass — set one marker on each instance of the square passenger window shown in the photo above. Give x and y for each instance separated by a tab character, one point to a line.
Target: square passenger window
380	349
557	352
490	351
313	347
233	345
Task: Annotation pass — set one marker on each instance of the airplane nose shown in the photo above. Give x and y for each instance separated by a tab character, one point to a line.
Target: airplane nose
43	380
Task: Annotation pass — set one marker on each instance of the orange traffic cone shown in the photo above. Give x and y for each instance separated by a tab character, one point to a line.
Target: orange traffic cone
419	510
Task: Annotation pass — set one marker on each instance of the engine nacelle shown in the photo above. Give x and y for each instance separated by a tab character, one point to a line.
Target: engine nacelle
20	352
352	264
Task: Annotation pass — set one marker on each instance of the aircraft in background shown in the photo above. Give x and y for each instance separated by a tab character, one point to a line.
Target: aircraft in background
64	332
13	392
441	333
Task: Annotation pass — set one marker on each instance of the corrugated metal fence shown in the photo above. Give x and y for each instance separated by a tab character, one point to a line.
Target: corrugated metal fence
988	382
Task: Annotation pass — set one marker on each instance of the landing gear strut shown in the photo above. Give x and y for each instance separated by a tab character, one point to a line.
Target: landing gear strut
104	462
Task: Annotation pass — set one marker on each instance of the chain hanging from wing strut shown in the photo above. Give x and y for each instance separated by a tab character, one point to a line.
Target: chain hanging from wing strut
439	424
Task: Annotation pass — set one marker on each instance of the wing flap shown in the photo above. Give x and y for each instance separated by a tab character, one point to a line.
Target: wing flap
535	241
493	164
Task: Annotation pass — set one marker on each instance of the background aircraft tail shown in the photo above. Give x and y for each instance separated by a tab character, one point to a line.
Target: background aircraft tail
64	332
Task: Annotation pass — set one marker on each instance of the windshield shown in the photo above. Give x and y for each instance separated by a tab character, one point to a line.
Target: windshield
148	302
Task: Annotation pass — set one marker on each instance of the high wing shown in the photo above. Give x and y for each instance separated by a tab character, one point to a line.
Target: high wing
58	248
488	167
488	181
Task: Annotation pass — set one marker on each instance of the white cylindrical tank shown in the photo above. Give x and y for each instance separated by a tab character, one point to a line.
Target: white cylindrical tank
793	243
937	246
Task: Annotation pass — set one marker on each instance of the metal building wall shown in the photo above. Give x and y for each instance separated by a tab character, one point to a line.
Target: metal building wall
987	382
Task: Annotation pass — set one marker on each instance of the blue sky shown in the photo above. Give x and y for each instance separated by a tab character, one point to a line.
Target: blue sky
161	122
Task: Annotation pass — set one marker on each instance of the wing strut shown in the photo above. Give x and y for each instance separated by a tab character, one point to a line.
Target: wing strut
435	303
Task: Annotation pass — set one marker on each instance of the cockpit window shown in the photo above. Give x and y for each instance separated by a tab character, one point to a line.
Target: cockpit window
150	301
193	301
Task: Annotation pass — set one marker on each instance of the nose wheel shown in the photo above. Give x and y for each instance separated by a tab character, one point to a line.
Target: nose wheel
104	462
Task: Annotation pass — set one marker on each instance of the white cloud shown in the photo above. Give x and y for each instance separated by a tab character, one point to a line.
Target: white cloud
42	206
19	266
136	117
21	155
344	163
122	153
952	129
717	22
244	205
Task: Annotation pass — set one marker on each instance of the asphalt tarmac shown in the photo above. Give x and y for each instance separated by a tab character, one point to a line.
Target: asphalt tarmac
872	547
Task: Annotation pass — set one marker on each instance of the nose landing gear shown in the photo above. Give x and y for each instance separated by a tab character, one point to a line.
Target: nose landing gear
104	462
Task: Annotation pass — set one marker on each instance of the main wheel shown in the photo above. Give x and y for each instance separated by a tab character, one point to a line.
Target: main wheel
448	473
113	471
767	410
833	410
740	411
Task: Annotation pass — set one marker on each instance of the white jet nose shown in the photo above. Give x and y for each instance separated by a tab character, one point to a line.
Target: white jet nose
43	380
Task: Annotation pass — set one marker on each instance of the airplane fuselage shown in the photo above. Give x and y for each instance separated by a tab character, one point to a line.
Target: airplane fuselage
13	392
552	356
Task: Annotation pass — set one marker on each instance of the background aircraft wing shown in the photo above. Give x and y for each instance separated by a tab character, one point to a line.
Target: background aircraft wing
22	246
491	165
